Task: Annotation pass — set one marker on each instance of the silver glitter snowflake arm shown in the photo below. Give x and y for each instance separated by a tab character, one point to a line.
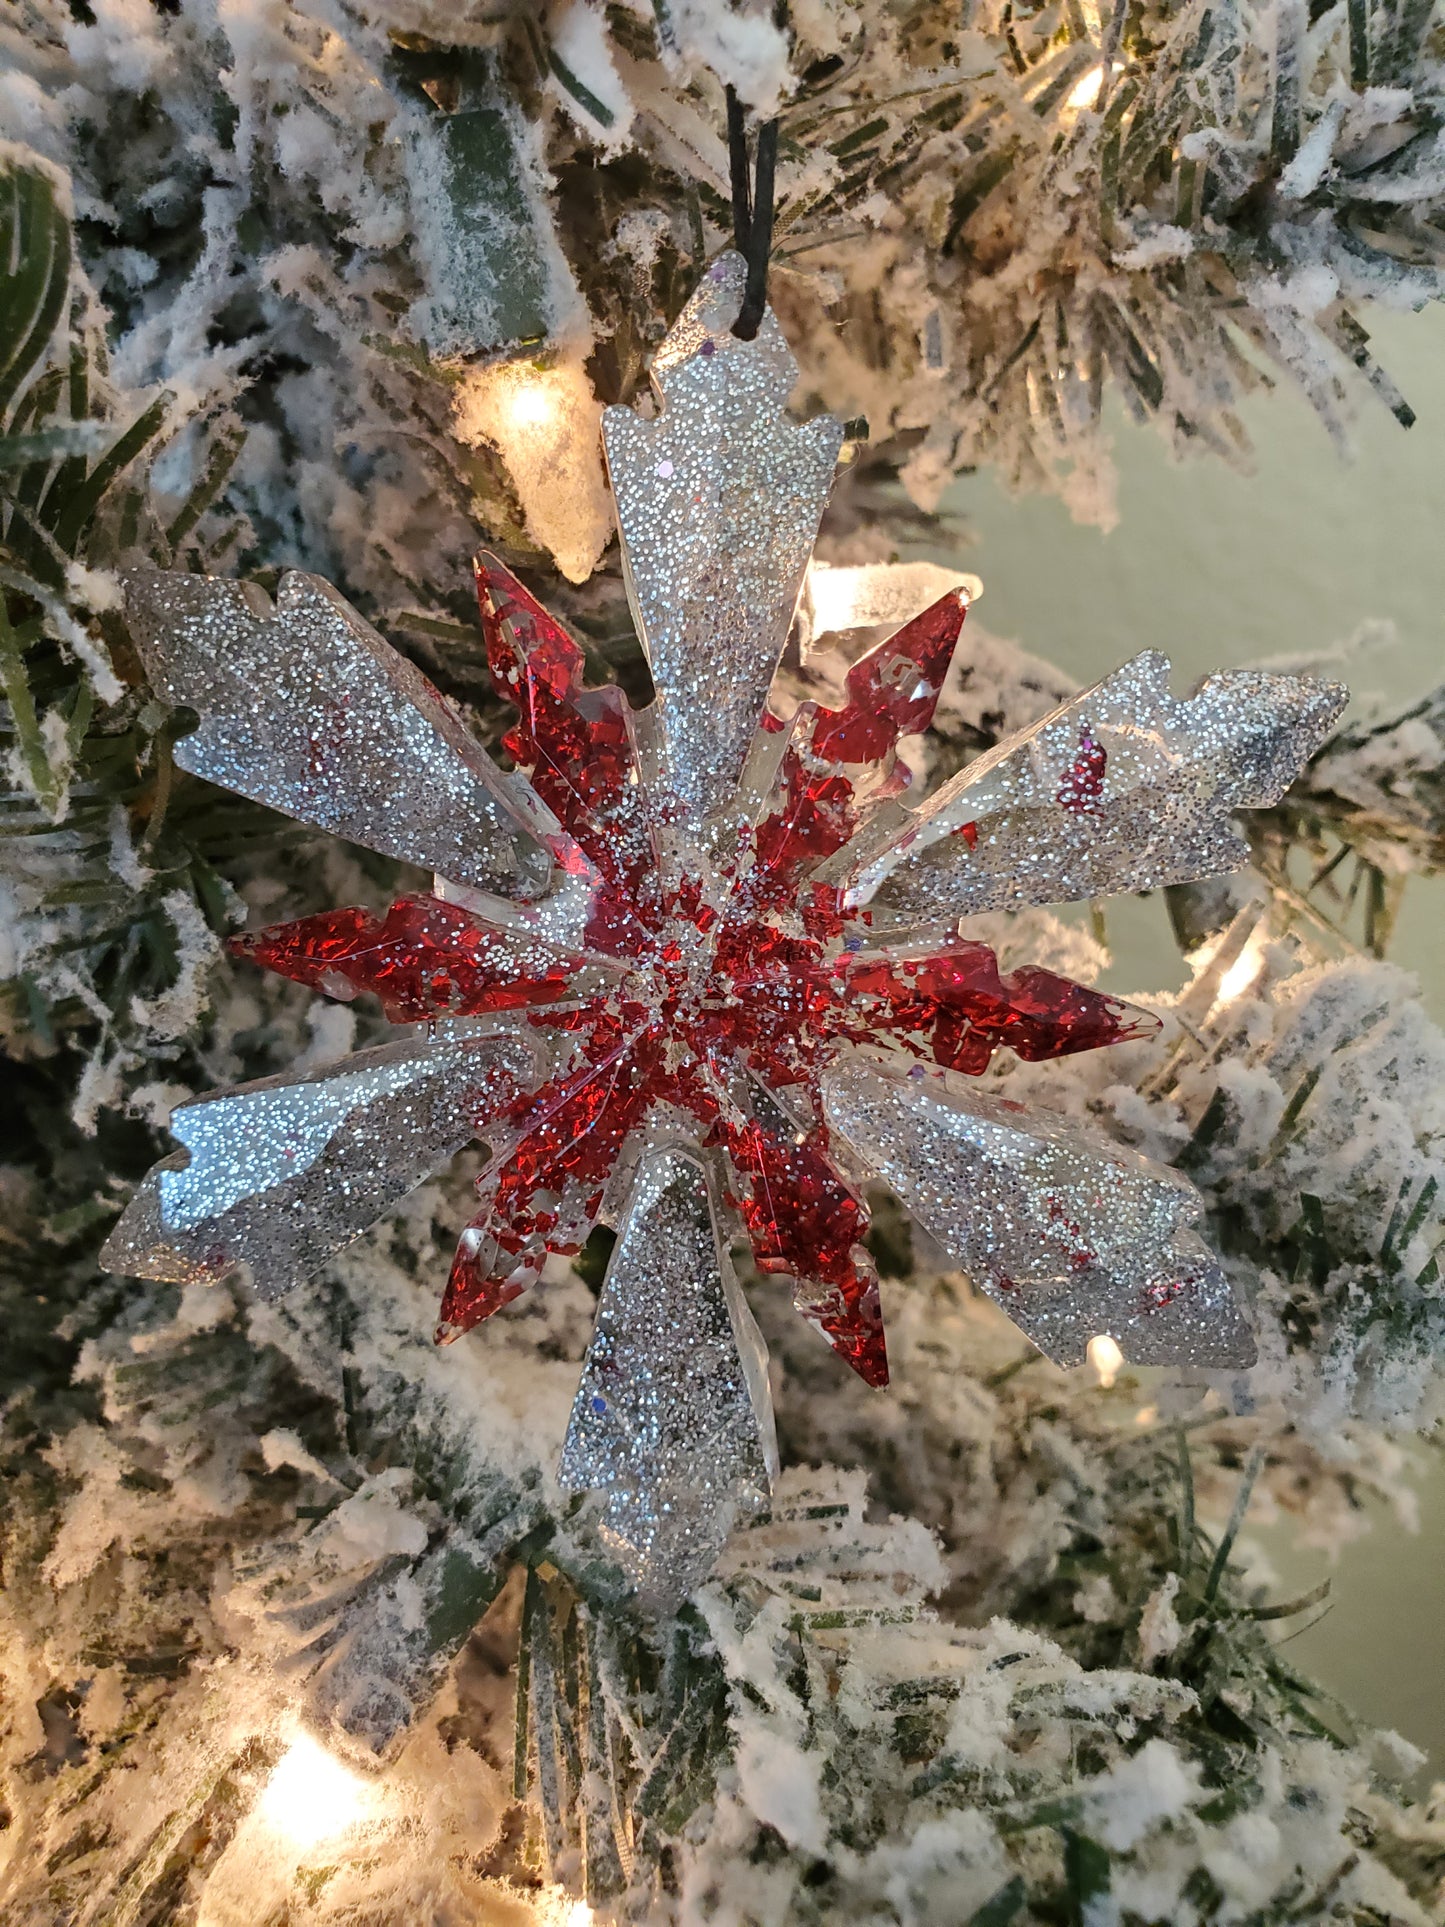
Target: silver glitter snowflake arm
280	1174
718	505
1072	1237
673	1418
1124	788
306	708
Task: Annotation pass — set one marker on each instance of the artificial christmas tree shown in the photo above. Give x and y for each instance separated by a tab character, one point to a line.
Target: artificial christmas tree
299	1623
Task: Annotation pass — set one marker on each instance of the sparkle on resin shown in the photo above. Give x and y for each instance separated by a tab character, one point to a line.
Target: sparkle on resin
700	969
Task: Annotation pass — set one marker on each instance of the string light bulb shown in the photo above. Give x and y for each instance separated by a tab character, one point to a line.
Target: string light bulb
1242	973
1084	93
311	1797
555	1907
543	419
531	400
1106	1359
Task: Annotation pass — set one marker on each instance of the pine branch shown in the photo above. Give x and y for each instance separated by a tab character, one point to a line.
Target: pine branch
96	839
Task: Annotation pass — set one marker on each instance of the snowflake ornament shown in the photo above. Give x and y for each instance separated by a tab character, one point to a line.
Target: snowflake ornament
696	971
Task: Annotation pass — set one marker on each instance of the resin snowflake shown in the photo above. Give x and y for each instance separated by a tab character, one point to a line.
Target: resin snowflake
696	971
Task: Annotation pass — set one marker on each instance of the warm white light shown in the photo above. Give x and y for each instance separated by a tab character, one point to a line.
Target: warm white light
1241	973
555	1907
1086	89
544	421
533	403
311	1797
1106	1359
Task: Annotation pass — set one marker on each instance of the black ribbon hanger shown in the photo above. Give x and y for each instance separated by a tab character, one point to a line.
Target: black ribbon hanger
752	211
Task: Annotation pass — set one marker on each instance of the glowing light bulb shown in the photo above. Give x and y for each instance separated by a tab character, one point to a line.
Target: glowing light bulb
555	1907
1086	89
544	421
1106	1359
311	1797
1241	973
533	403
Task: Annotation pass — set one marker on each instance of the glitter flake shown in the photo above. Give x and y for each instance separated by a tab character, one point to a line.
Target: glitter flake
1124	788
280	1175
307	708
1071	1236
718	505
673	1419
698	967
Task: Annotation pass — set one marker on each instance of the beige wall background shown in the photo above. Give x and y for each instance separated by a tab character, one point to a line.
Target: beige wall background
1219	569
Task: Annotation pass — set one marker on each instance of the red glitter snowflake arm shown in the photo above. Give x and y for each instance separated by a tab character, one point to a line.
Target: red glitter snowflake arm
544	1195
813	816
578	749
954	1002
803	1221
523	636
424	959
893	691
